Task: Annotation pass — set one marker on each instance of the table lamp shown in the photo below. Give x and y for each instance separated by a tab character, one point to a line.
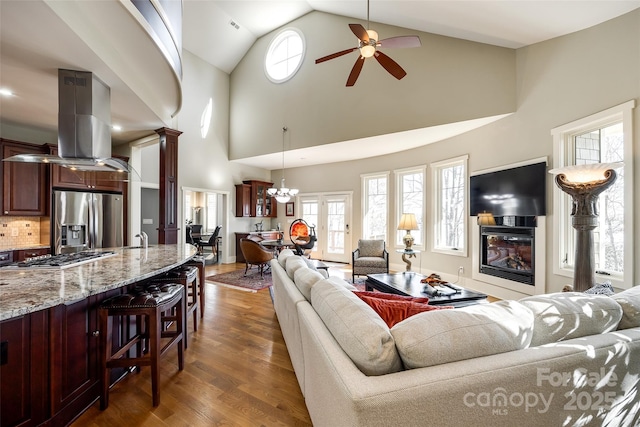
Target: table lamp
486	218
408	222
584	183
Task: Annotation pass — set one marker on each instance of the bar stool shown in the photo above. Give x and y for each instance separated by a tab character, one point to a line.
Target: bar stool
149	303
199	262
186	276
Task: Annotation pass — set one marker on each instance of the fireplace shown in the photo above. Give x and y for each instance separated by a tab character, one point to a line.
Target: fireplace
508	252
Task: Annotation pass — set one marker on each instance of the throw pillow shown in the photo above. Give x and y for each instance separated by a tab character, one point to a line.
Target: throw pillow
384	295
395	310
445	336
629	300
565	315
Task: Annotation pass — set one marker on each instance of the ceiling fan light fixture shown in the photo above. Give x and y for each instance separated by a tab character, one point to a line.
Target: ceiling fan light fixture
367	51
373	36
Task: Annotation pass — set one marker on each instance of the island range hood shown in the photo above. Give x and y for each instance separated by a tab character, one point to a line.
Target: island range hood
84	127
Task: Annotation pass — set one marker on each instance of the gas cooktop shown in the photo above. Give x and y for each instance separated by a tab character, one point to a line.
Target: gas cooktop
60	261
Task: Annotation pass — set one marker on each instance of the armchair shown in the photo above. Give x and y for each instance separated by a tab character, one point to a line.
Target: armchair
371	257
255	254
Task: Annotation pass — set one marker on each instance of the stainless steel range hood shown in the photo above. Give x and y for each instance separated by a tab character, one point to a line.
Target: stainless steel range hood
84	128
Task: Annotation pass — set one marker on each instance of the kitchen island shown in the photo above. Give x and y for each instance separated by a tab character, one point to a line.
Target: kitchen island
49	335
23	292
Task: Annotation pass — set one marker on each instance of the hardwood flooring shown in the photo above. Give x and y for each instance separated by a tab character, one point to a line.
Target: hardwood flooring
237	372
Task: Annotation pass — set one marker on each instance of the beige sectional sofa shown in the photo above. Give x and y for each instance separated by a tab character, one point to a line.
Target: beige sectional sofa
555	360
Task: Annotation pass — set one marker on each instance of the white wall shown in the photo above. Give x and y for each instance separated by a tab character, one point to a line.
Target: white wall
203	162
558	81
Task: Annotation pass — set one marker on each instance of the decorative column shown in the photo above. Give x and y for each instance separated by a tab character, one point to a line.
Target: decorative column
168	207
584	191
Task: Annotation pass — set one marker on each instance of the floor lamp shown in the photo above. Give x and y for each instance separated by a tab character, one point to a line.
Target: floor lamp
584	183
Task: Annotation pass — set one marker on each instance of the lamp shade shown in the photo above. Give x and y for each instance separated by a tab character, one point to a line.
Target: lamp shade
486	218
408	222
580	174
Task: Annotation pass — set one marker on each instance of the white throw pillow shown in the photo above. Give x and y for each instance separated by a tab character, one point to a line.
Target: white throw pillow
629	300
294	263
361	333
565	315
304	279
283	255
444	336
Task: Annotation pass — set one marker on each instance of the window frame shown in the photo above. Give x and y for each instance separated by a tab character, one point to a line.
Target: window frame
436	217
562	143
275	42
397	240
364	178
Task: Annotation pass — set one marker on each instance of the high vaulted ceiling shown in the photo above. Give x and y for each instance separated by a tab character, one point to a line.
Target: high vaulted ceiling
35	43
210	33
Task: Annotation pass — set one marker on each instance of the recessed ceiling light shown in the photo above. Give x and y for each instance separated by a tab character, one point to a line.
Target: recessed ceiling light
5	92
117	128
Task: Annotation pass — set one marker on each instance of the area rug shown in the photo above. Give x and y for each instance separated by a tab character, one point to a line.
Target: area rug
237	280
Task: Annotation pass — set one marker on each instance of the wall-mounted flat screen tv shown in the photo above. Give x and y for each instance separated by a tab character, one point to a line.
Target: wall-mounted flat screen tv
519	191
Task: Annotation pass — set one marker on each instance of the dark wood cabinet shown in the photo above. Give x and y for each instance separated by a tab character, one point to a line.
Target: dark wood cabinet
24	370
23	254
252	200
24	185
62	177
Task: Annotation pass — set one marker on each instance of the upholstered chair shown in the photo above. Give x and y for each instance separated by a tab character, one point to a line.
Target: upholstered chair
371	257
255	254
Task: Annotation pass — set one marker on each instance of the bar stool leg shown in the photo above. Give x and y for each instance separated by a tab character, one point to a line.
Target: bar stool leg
155	332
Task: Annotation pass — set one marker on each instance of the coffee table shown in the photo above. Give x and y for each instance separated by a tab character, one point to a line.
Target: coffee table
409	284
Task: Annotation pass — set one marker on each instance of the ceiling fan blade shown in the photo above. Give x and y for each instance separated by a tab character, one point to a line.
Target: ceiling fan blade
335	55
355	71
390	65
401	42
360	32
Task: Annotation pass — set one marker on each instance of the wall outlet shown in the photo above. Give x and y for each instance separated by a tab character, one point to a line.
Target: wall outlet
147	221
461	270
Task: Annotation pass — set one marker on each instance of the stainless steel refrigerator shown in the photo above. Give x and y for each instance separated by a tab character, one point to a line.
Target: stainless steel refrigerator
85	221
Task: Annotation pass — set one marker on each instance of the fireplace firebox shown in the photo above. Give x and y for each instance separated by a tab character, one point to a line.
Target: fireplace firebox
508	253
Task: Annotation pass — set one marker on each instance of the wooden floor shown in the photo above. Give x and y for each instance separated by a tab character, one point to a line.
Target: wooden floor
237	372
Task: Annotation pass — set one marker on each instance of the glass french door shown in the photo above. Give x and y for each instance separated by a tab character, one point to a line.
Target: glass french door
331	215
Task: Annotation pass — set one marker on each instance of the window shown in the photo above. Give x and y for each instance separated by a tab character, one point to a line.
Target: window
601	138
375	206
284	56
188	211
410	199
212	211
450	206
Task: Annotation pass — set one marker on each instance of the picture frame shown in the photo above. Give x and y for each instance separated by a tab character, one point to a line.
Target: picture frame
288	207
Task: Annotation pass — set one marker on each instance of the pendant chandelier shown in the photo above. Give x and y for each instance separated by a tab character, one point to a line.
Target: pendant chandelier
282	194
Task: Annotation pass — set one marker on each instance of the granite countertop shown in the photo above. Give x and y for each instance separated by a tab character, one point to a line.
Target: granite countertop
23	292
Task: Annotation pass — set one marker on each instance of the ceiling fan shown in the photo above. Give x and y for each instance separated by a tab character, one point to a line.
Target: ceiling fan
368	45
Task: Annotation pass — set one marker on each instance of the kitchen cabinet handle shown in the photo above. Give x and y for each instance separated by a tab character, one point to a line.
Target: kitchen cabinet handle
95	333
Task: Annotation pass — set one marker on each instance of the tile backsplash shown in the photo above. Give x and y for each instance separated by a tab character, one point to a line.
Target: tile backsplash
18	231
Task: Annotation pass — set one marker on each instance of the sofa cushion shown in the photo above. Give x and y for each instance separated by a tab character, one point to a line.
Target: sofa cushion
359	331
394	310
566	315
283	255
444	336
293	263
304	279
337	281
629	300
